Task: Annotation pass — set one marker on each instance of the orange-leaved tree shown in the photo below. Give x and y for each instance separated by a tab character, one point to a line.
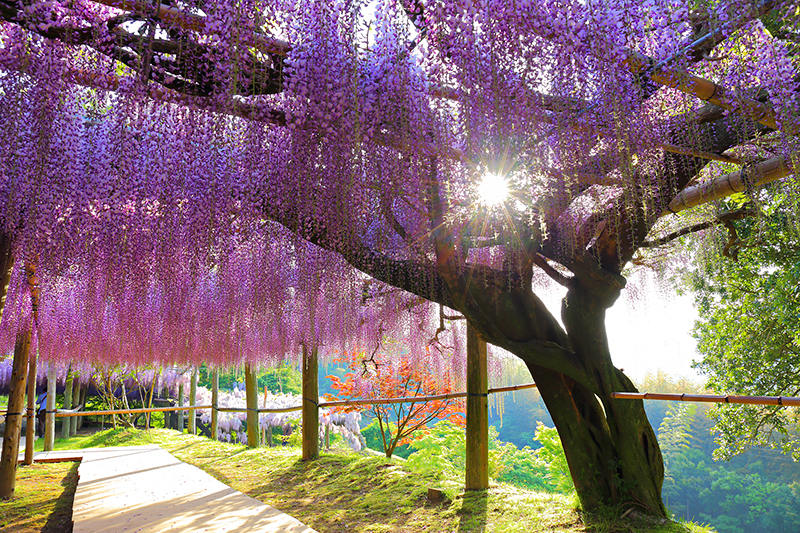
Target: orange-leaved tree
374	380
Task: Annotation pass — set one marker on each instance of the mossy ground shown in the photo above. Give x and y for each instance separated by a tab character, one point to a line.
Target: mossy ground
43	499
348	492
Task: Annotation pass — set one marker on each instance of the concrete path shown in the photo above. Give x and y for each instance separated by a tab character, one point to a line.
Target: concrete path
146	489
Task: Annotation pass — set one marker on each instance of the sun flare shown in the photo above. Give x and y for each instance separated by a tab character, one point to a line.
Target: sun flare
492	189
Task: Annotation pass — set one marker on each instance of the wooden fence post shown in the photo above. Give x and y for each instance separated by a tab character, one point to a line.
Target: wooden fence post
214	401
30	429
310	404
16	401
251	393
50	418
477	474
65	423
76	402
193	401
82	401
179	425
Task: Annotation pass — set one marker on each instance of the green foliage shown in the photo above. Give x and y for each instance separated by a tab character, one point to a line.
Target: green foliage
749	331
372	435
758	492
282	379
552	453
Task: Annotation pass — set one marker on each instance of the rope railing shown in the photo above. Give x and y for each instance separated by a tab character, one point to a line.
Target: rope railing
709	398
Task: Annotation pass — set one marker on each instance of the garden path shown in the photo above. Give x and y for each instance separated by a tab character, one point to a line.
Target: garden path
148	490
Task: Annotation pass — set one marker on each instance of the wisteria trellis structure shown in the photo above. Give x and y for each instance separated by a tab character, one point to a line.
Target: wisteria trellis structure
167	162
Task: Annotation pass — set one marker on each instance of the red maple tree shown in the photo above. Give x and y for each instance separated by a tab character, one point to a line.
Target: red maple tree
399	423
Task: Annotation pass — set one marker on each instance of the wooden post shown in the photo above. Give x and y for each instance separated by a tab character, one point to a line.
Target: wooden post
310	404
16	401
193	401
214	400
65	423
264	429
76	402
180	414
50	418
251	392
30	429
477	474
82	401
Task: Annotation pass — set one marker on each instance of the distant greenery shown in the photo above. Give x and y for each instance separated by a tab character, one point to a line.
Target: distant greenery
282	379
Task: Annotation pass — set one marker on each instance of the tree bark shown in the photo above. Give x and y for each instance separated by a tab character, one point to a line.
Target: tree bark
310	404
16	400
251	392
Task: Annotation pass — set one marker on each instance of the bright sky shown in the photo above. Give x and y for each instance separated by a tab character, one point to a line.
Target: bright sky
648	328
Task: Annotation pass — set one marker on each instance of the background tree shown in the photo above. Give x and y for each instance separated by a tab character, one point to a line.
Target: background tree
398	423
747	290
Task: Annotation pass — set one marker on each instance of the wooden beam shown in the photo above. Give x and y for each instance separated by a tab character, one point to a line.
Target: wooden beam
477	474
16	401
251	392
310	404
214	403
50	419
193	401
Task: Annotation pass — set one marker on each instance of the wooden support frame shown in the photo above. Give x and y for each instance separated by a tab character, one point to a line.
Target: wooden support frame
16	400
65	424
50	419
214	403
251	391
193	401
477	468
30	428
76	404
310	404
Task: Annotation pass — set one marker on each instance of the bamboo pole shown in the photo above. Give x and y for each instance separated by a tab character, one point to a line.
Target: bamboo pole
310	404
50	420
30	428
709	398
193	401
65	424
71	413
477	468
214	403
16	400
251	392
76	402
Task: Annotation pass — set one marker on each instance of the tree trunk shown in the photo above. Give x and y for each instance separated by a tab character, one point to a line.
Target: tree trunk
251	393
310	404
16	400
180	414
50	418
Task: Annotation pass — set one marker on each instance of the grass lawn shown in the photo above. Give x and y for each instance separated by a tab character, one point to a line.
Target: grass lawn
349	492
43	501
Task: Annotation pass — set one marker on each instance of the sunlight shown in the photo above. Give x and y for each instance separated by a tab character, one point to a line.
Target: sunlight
492	189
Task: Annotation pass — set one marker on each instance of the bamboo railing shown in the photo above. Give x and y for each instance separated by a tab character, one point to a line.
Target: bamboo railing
709	398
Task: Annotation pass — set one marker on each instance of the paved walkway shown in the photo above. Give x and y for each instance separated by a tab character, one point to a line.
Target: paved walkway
145	489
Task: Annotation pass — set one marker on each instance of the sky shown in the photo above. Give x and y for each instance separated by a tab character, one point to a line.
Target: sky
649	328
